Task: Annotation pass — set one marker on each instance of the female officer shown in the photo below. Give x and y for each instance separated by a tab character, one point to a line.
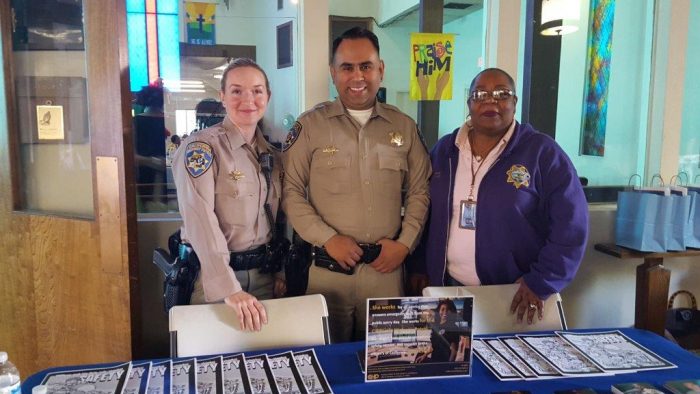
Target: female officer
227	200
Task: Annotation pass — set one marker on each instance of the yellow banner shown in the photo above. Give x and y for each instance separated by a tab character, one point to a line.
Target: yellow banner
431	66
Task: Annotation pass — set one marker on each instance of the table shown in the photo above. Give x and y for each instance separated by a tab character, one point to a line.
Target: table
652	284
342	369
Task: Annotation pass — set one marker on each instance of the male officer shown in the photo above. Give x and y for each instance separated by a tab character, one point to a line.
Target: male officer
353	157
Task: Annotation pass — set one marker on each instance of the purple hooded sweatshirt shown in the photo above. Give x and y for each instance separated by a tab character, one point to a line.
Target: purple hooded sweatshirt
531	219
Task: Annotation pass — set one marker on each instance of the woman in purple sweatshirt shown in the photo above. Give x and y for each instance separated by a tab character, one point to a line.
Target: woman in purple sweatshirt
506	205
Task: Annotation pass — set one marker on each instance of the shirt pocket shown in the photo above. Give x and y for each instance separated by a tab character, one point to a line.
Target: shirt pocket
331	174
239	190
392	168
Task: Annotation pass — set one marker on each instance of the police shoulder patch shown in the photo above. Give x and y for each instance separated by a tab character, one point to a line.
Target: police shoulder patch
198	158
292	136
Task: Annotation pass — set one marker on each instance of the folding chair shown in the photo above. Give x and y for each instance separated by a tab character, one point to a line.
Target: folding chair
492	309
197	330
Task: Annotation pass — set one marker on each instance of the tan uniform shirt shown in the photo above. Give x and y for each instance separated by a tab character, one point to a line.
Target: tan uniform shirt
221	194
354	176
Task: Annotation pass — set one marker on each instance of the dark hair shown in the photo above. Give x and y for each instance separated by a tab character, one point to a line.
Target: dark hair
447	302
511	82
355	33
150	96
243	62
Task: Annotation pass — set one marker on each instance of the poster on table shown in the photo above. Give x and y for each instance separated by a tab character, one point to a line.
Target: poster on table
418	337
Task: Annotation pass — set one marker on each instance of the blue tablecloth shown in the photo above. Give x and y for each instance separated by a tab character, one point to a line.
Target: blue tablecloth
343	372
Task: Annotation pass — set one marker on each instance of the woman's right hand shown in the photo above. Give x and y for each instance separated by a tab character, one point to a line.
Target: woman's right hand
251	312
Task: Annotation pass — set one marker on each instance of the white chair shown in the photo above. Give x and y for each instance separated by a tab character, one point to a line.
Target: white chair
197	330
492	309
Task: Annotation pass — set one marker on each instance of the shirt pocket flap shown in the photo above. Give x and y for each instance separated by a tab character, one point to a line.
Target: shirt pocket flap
392	162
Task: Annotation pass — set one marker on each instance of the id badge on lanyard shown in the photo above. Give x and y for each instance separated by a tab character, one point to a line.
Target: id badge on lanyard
467	214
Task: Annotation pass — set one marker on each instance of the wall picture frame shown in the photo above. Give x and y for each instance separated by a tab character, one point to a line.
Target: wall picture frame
285	48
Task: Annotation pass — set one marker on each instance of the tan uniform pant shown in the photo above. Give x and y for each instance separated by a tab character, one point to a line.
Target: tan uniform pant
346	296
252	282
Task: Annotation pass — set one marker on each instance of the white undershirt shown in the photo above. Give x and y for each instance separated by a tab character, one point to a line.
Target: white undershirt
361	116
461	247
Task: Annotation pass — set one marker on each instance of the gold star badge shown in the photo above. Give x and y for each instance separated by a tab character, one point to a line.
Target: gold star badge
518	175
396	138
331	150
236	175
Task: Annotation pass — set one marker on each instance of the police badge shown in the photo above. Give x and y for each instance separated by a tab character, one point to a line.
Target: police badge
198	158
518	176
292	136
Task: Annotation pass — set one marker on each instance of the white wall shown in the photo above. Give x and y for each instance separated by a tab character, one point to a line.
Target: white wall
603	292
467	54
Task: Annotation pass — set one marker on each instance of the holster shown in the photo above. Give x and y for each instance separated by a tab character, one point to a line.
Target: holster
180	267
296	267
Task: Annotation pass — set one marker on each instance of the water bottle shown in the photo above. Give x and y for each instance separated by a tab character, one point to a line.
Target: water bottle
9	376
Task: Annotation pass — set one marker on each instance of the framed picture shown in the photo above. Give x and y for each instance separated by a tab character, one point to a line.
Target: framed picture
284	45
48	25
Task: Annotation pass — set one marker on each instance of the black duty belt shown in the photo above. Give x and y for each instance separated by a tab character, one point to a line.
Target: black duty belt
250	259
322	259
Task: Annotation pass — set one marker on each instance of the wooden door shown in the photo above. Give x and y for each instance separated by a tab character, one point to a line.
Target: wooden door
69	284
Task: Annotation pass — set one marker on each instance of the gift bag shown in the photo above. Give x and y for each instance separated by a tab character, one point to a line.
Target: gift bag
692	235
684	323
643	220
680	218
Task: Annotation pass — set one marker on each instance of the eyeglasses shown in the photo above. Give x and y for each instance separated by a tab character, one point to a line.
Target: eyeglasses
480	96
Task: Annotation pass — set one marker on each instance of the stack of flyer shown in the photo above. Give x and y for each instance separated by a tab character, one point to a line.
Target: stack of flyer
565	354
289	372
421	337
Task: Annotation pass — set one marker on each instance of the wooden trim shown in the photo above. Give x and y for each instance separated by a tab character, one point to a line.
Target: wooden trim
111	135
10	150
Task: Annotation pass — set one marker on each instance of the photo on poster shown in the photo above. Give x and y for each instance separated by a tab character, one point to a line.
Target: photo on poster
236	375
260	374
615	352
160	380
210	377
184	376
138	378
494	362
103	380
418	337
509	356
561	355
311	372
286	373
688	386
530	357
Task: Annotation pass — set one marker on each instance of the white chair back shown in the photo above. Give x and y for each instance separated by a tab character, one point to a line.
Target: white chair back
492	309
197	330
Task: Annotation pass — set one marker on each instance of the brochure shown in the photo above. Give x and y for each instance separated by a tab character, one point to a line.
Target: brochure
635	388
184	376
311	373
688	386
236	375
418	337
210	377
509	356
561	355
286	374
614	352
138	378
260	374
160	381
103	380
494	362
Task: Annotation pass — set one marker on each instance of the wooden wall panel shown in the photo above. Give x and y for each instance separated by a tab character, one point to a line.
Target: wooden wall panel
58	305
